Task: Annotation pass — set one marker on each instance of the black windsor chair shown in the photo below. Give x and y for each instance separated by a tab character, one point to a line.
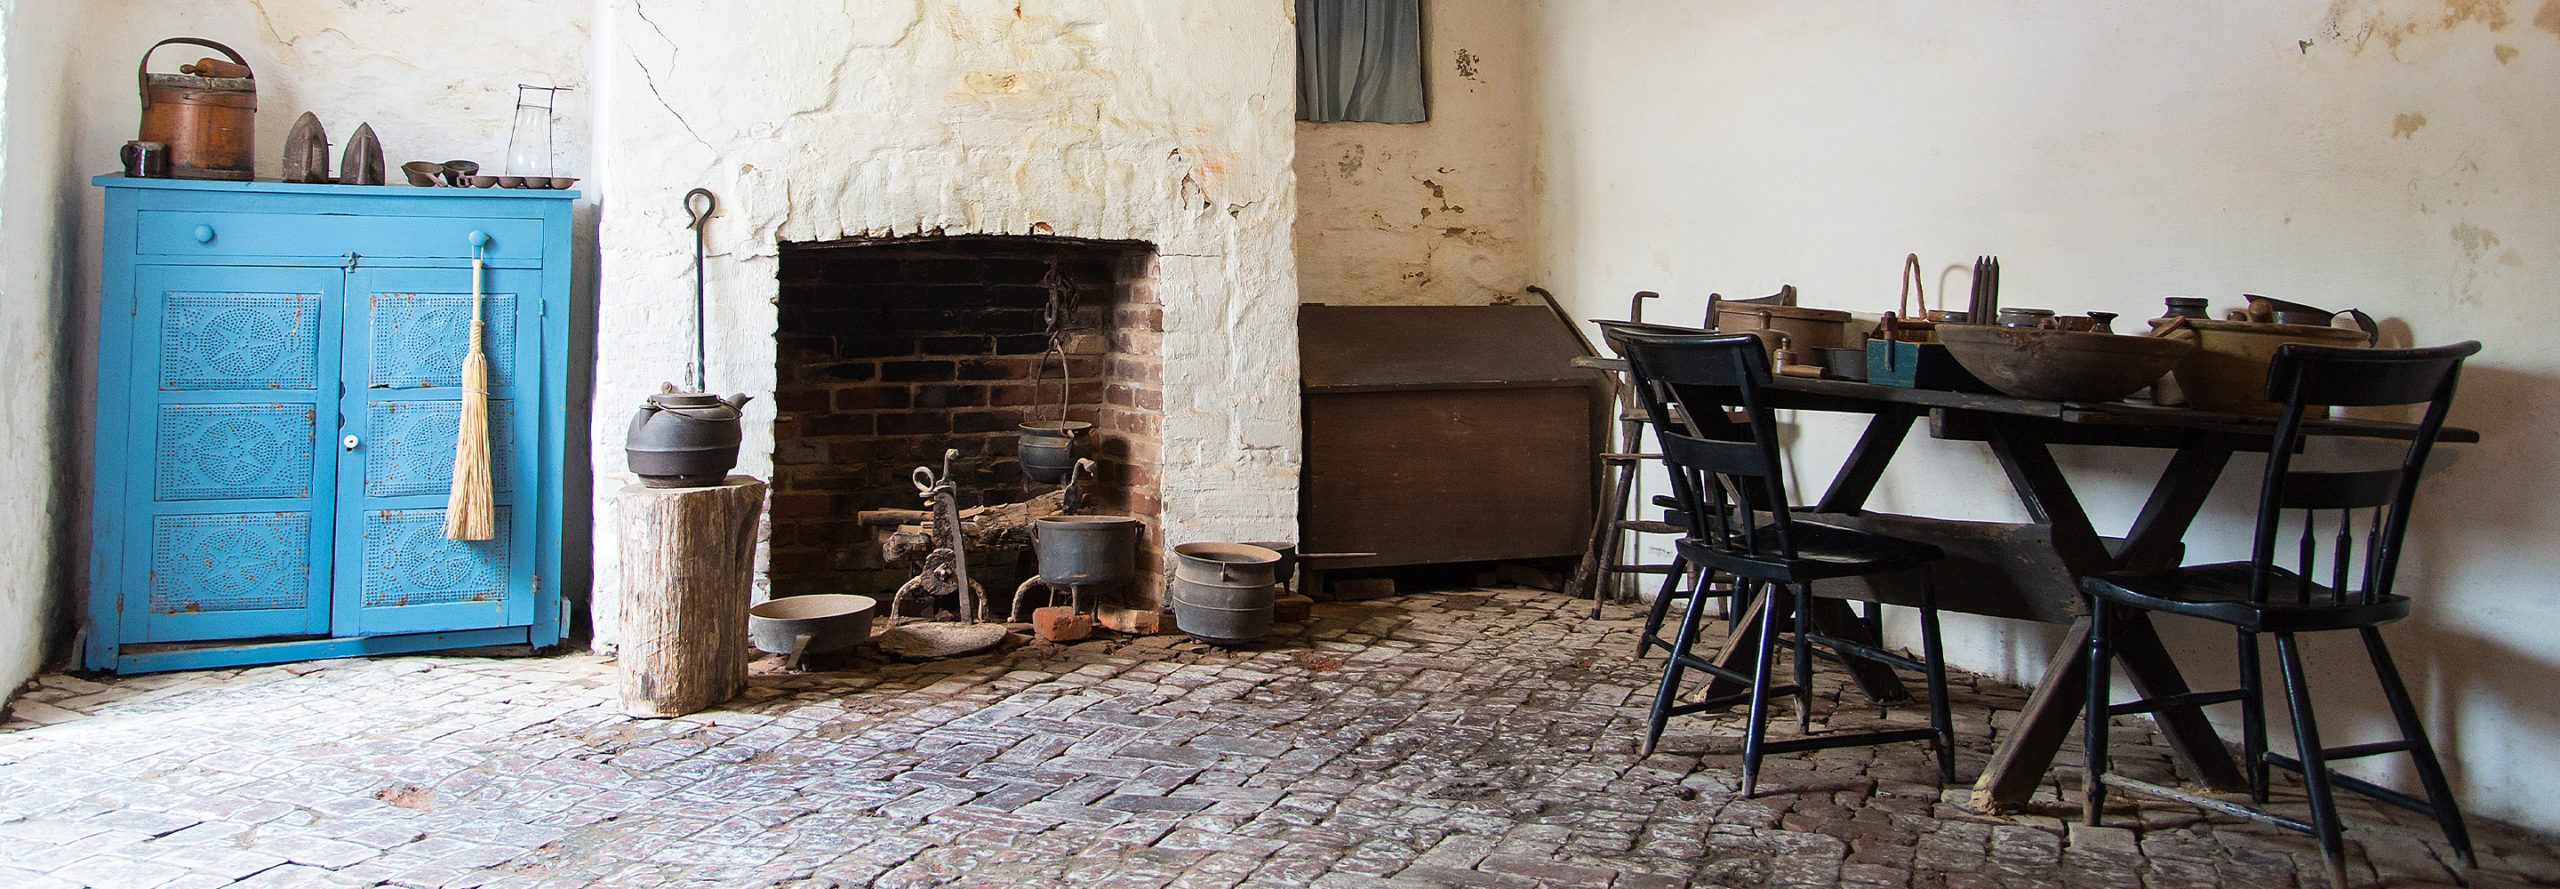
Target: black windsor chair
2370	509
1720	443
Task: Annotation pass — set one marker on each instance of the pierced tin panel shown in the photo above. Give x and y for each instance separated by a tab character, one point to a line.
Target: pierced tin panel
407	561
215	341
250	562
409	448
419	338
234	451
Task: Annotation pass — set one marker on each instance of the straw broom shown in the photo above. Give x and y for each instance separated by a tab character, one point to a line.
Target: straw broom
470	512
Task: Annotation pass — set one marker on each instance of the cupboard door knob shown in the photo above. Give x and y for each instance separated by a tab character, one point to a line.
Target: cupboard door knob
204	234
350	442
478	238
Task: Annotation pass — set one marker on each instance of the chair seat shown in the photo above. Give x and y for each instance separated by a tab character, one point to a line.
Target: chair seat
1821	551
2220	592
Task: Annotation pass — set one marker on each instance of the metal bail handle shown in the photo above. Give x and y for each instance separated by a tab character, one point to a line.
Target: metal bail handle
142	70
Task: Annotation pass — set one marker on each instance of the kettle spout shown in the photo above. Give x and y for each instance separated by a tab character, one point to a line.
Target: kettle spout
738	401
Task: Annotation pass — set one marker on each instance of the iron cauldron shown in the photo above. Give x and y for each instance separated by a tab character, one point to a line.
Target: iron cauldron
1086	550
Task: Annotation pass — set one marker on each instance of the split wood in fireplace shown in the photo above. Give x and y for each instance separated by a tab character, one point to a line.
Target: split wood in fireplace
890	351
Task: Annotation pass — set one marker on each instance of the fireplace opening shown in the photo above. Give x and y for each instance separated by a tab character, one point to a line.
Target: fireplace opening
890	351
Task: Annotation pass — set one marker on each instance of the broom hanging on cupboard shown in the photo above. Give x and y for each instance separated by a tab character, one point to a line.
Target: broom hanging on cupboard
470	511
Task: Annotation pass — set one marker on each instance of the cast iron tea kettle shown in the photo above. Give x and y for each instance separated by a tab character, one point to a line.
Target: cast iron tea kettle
684	439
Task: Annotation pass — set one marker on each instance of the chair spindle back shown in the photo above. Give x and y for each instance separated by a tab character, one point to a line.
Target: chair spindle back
2368	508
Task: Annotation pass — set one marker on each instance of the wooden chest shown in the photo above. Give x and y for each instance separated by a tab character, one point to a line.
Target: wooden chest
1446	434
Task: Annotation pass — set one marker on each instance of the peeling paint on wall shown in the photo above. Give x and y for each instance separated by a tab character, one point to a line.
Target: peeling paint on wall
2395	22
1430	213
2405	125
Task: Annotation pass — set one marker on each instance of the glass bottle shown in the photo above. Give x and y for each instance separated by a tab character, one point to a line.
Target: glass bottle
529	141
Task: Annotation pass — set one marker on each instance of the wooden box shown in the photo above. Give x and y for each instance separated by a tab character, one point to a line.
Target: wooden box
1440	434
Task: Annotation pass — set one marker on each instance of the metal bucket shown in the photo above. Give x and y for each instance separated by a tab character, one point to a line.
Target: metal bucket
796	625
1225	563
1288	565
1048	449
1086	550
209	123
1223	613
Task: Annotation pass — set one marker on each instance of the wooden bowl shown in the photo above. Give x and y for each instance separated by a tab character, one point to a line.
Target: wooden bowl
2061	365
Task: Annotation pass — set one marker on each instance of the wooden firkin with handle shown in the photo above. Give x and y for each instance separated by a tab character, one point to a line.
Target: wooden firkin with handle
688	556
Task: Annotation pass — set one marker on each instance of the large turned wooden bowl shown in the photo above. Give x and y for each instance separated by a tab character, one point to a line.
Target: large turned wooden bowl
2061	365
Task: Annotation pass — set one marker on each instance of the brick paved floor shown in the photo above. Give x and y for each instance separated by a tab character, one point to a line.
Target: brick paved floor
1473	739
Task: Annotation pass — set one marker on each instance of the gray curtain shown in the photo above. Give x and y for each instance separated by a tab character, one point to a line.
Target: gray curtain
1360	60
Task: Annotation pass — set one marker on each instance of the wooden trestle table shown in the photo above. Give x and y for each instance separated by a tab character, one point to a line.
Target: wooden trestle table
2029	571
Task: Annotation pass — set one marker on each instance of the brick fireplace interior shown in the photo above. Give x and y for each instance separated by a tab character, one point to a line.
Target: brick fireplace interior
890	351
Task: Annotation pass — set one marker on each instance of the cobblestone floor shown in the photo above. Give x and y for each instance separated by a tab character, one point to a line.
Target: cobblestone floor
1485	738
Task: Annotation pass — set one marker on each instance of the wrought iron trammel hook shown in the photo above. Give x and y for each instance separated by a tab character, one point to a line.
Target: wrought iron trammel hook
709	203
701	337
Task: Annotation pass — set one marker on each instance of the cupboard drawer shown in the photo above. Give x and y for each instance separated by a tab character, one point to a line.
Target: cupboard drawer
206	233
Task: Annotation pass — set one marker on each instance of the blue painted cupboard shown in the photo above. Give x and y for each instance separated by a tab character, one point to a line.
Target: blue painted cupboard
278	392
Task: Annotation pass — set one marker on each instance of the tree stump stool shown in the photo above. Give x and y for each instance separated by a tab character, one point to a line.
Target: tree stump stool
688	555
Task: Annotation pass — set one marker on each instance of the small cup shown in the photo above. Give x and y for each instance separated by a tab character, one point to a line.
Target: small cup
483	180
510	182
145	160
458	173
563	181
421	173
537	182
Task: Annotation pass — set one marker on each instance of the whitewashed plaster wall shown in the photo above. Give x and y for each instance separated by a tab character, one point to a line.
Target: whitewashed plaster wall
1167	121
437	81
37	558
1434	213
2388	154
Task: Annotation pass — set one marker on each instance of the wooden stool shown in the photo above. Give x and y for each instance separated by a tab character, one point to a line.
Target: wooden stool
688	555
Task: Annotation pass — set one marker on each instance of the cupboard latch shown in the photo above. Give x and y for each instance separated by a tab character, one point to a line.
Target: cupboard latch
349	262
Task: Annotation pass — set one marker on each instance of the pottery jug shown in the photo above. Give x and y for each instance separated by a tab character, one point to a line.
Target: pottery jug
684	439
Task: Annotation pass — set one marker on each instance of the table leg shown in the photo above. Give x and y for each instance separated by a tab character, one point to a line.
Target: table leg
2017	767
2020	762
2190	736
1866	463
1848	493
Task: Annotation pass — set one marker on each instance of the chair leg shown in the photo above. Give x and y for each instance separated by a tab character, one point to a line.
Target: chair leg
1662	605
1934	655
2430	772
1758	729
1804	656
2315	766
2093	726
1672	669
2253	719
